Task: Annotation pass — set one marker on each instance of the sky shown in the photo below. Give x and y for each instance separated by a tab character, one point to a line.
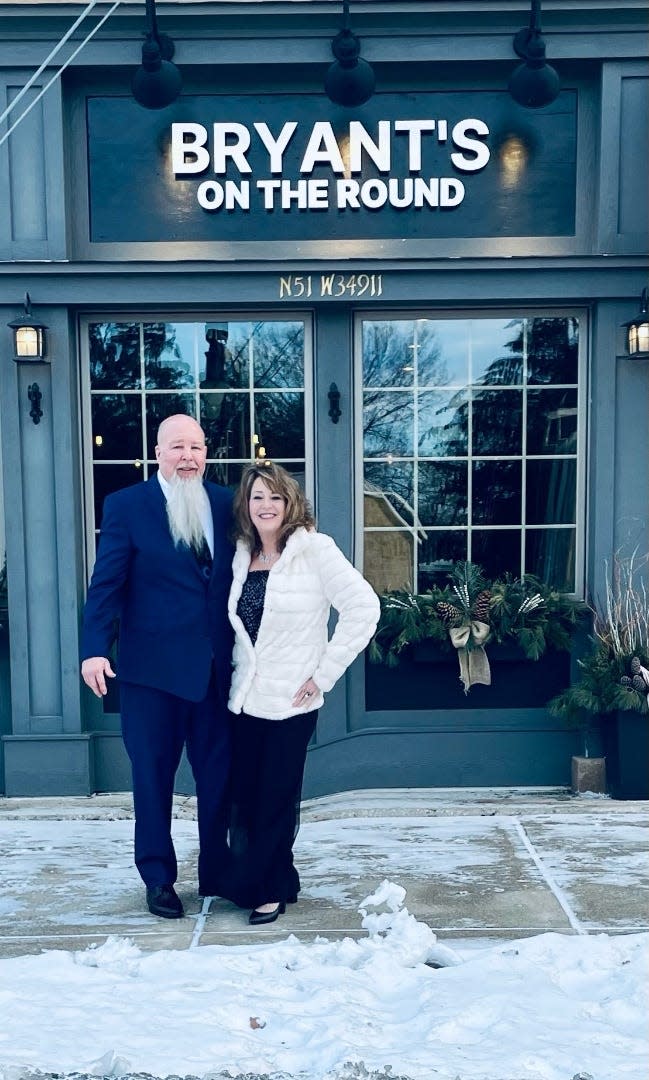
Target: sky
396	1002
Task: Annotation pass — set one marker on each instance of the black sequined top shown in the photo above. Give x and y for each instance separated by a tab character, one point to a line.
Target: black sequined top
251	602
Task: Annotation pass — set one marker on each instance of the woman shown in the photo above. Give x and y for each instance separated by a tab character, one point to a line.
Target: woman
286	579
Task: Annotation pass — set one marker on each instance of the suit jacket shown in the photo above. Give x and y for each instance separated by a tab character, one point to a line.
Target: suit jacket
173	623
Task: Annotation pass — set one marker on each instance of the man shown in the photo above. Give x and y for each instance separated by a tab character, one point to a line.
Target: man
163	570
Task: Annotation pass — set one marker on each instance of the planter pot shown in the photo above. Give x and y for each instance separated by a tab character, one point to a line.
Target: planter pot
627	755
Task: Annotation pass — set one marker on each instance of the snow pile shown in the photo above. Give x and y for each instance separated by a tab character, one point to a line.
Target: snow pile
545	1008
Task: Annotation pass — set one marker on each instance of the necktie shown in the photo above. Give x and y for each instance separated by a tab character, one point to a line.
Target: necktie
204	559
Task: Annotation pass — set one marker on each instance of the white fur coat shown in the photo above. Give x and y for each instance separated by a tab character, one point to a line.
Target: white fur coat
311	576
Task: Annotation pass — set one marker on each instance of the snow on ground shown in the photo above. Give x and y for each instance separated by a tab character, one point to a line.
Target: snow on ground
542	1008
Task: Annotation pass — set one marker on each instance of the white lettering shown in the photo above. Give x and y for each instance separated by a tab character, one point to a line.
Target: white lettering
374	193
268	187
426	192
347	194
188	141
451	192
414	129
322	149
405	199
276	147
460	138
318	198
360	140
210	195
235	150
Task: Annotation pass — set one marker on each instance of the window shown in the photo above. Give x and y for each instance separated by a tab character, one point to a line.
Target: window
472	440
244	381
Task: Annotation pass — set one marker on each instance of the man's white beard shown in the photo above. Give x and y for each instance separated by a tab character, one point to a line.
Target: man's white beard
185	501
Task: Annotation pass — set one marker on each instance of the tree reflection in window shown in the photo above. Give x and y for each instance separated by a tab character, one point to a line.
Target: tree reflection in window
463	407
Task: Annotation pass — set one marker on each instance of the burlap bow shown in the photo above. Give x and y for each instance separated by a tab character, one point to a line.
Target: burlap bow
469	640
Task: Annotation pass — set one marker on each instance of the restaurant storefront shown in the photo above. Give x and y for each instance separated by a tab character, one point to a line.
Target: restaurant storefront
416	304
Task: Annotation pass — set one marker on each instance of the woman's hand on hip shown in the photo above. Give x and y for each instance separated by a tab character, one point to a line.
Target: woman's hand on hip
306	692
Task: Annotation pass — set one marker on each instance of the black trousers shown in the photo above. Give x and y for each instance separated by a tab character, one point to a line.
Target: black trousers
155	727
268	758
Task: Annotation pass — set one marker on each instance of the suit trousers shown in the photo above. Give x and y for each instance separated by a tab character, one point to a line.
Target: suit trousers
155	728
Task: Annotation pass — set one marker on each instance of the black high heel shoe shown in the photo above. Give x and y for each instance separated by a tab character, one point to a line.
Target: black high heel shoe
257	918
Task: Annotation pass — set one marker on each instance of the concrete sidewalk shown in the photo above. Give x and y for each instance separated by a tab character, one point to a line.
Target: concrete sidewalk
477	866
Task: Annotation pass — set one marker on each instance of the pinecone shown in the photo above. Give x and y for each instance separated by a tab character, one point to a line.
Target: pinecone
635	665
482	607
626	682
639	684
448	613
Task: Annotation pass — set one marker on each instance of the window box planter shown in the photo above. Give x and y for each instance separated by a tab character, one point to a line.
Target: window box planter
428	677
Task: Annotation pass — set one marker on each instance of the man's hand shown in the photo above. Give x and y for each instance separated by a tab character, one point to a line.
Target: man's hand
94	671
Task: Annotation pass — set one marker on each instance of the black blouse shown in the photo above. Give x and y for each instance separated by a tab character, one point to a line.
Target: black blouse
251	602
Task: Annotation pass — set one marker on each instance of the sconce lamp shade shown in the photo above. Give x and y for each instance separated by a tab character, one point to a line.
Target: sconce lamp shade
637	330
350	79
534	83
157	82
29	335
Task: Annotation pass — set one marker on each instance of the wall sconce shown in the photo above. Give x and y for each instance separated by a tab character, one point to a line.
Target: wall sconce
534	82
29	336
157	82
637	331
350	80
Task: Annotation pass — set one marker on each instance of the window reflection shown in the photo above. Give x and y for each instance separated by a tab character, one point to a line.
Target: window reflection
169	361
442	492
389	495
114	355
388	424
116	427
493	404
497	492
279	422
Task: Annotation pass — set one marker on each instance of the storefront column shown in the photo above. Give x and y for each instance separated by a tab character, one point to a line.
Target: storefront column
47	752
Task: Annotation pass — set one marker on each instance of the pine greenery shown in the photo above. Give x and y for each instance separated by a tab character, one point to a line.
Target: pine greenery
532	614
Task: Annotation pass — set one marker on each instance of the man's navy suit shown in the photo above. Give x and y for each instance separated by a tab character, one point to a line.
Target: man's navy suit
173	665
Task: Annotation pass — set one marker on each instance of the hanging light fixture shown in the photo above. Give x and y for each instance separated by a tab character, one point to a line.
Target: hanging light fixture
534	82
637	331
29	335
157	82
350	80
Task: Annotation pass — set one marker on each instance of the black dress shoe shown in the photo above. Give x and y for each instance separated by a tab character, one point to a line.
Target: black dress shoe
258	917
163	900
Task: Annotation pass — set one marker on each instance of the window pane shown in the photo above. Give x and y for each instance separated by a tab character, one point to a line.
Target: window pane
387	360
223	355
497	351
388	560
443	423
436	553
169	361
552	350
279	422
442	493
550	554
114	356
497	422
278	354
225	419
551	492
387	424
551	421
451	368
389	494
117	427
497	551
110	478
496	492
158	407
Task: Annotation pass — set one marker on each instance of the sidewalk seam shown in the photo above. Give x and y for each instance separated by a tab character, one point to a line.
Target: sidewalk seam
554	887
